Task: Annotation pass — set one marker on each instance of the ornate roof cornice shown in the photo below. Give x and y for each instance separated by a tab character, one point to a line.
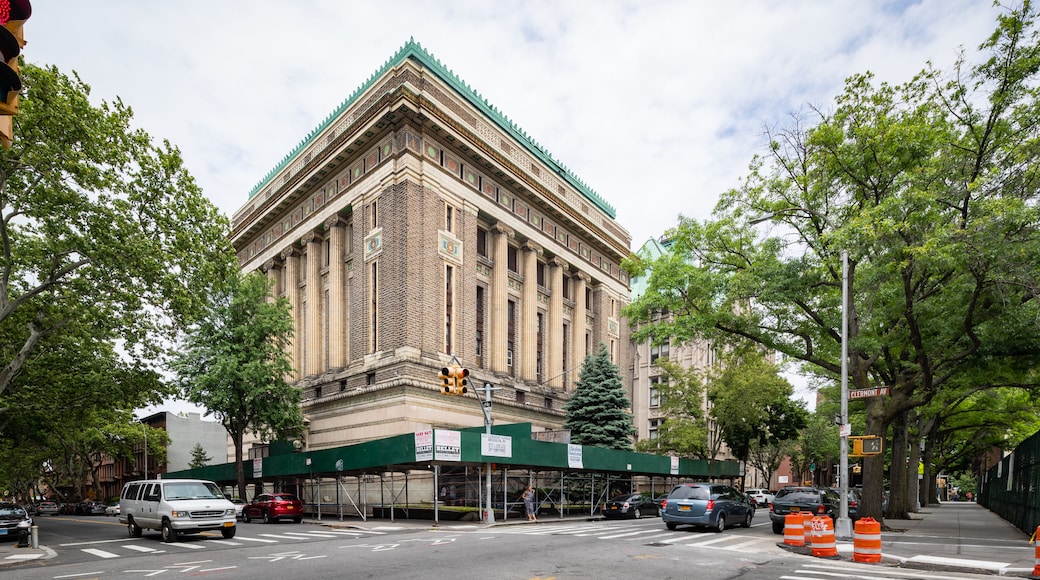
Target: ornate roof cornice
414	50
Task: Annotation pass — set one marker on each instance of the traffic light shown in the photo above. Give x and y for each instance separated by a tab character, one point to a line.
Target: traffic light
13	14
447	378
461	380
865	446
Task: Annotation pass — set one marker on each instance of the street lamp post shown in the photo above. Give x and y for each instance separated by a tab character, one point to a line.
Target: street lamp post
843	527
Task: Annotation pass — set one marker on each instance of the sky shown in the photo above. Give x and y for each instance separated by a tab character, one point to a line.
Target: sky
659	106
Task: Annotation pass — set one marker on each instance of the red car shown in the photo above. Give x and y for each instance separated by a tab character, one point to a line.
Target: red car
271	507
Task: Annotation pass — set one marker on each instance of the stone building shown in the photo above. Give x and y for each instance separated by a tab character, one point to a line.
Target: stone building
418	223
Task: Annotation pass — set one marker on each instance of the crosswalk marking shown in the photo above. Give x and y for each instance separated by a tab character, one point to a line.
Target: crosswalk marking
100	553
137	548
256	540
708	542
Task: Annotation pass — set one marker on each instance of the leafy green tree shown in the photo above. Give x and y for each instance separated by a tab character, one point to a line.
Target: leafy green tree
927	187
199	457
100	227
751	403
598	412
684	432
235	363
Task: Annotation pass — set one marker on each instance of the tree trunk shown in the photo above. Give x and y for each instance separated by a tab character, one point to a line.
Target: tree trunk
898	507
240	472
913	480
873	466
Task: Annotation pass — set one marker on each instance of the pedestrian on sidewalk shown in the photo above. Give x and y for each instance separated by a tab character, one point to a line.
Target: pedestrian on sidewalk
529	504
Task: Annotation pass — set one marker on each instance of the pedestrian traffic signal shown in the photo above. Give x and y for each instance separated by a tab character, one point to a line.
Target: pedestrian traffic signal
461	380
865	446
13	14
447	378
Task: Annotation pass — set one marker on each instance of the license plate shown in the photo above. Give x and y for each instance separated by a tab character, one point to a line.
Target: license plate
684	508
795	510
229	524
613	507
3	532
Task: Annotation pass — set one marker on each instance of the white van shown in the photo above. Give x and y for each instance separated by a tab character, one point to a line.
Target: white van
174	507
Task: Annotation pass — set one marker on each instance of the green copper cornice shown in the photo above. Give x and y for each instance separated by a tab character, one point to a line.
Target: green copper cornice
415	51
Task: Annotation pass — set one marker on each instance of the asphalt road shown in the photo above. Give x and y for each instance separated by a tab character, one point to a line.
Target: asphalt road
99	547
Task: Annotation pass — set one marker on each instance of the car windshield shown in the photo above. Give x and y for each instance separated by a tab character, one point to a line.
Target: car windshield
9	511
689	492
192	490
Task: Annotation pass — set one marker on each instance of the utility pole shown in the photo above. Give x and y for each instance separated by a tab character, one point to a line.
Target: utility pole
486	406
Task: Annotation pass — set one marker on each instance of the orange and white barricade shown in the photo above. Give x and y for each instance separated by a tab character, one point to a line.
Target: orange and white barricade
1036	552
794	531
823	544
866	540
807	518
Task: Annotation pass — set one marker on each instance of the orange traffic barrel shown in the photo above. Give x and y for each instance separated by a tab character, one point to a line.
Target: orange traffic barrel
807	518
1036	552
823	545
866	540
794	531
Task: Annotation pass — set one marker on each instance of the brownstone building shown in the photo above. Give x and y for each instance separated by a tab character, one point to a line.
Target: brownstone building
416	223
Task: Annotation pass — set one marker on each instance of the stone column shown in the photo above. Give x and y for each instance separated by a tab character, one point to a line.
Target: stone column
578	325
291	259
337	297
554	330
499	335
529	314
312	363
273	269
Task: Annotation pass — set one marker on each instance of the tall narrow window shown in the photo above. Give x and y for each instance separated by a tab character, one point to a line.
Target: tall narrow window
510	333
567	287
449	298
449	218
512	259
480	326
374	305
566	354
539	339
482	237
374	210
540	269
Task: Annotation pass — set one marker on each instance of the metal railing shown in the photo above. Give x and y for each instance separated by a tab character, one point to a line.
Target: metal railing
1011	488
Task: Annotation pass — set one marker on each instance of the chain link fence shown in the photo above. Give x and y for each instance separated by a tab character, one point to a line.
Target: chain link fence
1011	488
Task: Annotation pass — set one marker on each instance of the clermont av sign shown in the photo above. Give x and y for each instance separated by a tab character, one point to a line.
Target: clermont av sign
864	393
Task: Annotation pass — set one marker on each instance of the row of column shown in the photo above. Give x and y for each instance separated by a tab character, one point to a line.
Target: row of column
553	347
309	352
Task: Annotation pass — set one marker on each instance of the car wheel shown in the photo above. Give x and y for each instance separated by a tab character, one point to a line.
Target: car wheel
671	525
720	524
267	518
169	535
747	519
778	527
246	518
228	533
637	514
134	529
298	520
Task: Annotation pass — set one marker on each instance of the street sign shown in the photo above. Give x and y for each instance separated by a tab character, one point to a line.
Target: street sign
864	393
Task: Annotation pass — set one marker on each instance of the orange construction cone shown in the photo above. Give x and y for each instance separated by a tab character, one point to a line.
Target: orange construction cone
1036	552
866	541
823	545
794	531
807	526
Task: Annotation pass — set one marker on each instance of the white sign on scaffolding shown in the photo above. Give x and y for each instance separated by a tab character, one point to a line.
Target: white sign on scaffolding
496	445
675	465
574	456
447	445
424	445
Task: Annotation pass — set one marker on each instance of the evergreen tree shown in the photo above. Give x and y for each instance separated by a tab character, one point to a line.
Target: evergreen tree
199	457
598	413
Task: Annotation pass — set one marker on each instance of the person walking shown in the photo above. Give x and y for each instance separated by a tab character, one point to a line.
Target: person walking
529	504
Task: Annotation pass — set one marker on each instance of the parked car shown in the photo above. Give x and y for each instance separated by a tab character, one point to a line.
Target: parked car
271	507
47	508
240	505
13	519
112	510
712	505
818	501
763	497
854	499
94	508
660	501
630	505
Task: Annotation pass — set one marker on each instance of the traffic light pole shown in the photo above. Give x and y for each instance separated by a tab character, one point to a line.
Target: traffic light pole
486	406
843	527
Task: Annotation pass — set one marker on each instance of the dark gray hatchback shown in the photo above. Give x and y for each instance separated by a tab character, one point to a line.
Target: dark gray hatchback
711	505
817	501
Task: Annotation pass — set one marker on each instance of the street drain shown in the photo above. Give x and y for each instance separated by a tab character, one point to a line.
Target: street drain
657	544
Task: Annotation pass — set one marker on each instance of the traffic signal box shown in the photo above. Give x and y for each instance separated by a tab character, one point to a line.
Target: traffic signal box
454	380
13	14
865	446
